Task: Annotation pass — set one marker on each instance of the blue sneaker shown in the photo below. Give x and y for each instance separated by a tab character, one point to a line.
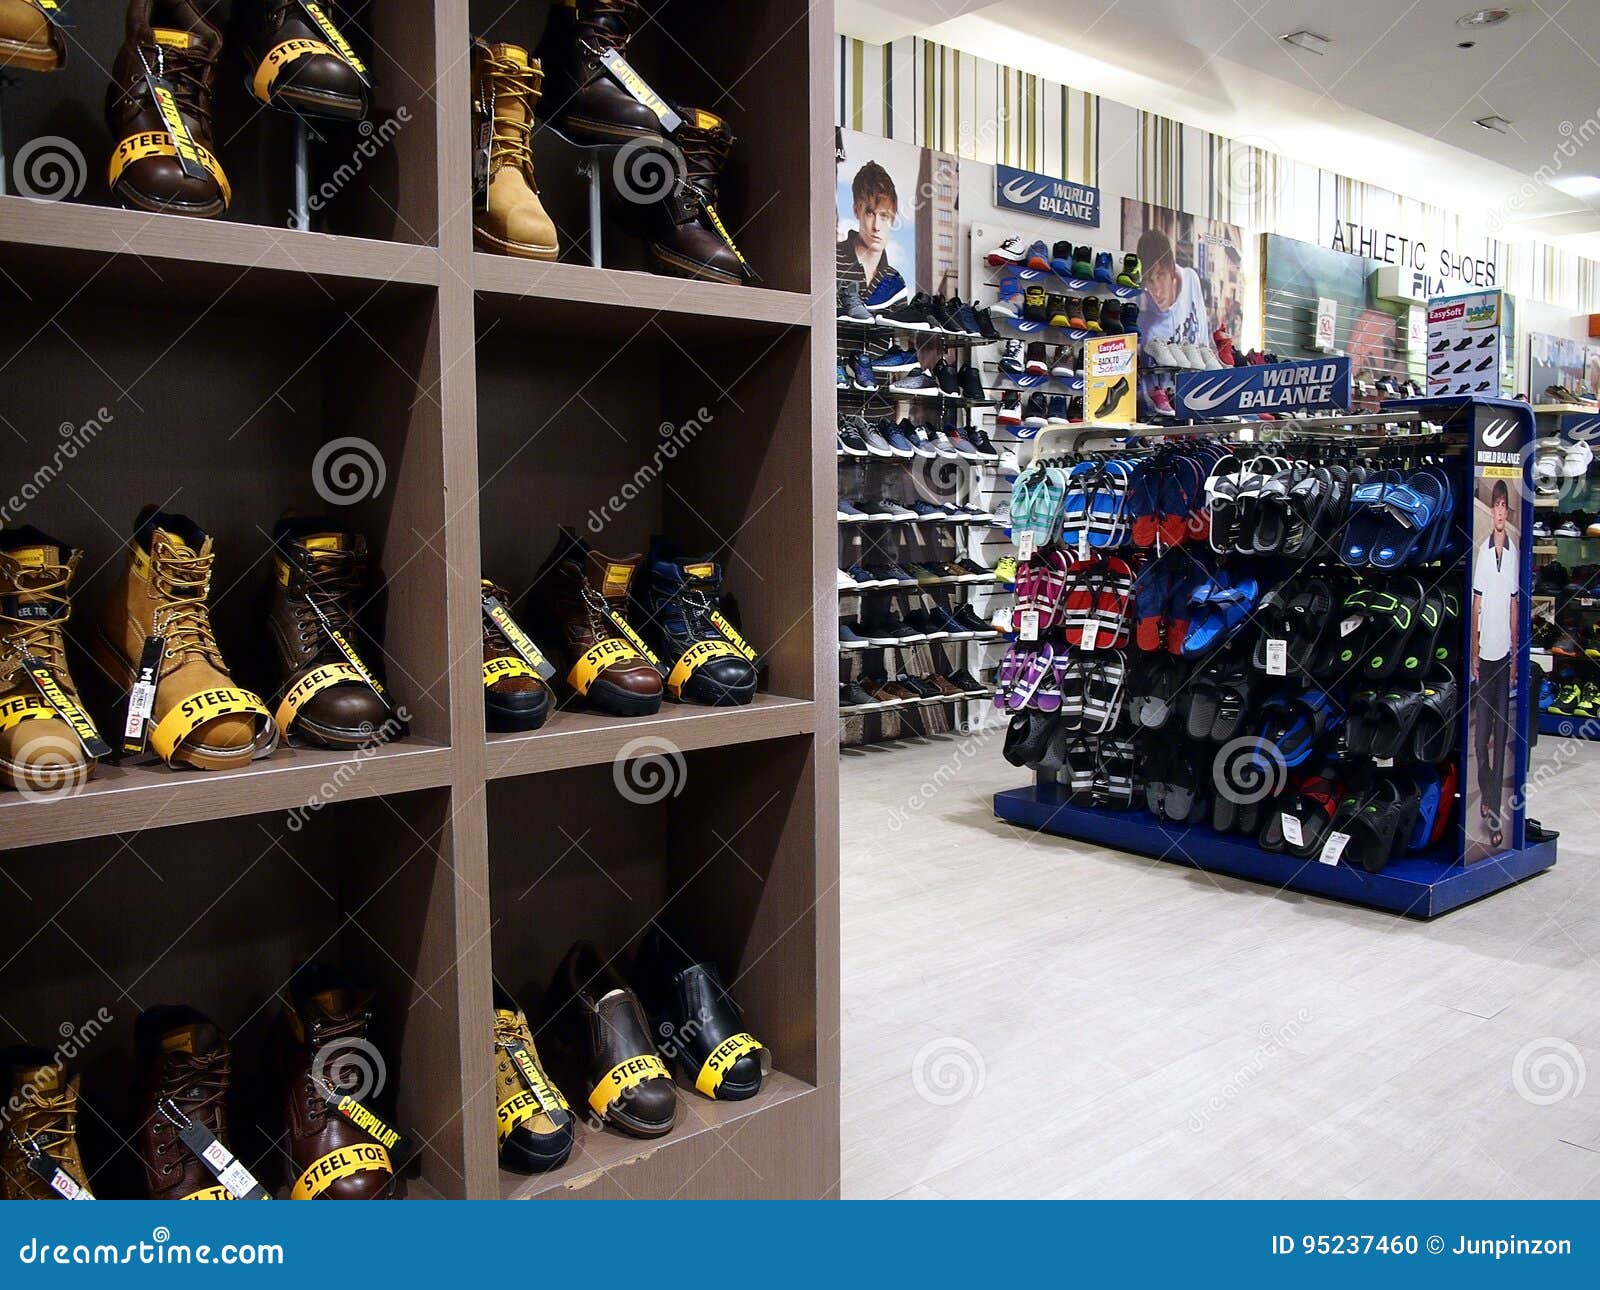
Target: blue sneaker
890	291
841	381
895	362
1061	260
849	512
1009	304
1103	272
1039	257
848	638
895	437
861	373
928	511
1058	413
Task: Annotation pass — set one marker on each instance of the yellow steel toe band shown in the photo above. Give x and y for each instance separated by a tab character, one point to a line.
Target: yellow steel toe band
158	143
281	56
696	657
24	707
739	643
503	669
219	1192
309	686
623	1076
516	1110
723	1056
596	660
196	710
343	1163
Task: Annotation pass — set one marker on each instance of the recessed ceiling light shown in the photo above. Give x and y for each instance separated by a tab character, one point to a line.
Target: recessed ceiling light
1306	40
1483	18
1496	123
1578	185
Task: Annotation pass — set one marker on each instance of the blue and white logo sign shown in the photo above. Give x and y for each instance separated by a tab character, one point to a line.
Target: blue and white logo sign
1281	388
1046	196
1580	427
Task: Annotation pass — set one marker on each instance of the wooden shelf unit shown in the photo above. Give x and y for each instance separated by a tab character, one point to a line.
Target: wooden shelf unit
503	397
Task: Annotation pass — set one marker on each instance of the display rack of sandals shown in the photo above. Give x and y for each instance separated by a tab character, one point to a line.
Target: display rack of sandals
910	448
1566	583
1285	651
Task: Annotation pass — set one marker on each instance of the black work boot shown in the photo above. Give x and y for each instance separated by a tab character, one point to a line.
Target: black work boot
581	98
683	234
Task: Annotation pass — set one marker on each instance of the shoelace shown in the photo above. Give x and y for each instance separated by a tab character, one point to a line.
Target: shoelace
186	71
200	1080
40	637
600	624
333	580
320	1034
596	29
183	580
704	154
512	84
49	1125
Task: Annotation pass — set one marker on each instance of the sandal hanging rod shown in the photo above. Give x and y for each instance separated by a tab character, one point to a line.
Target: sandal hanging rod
1071	439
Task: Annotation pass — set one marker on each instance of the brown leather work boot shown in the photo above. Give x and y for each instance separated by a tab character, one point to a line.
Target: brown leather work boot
184	1067
199	718
580	601
177	40
505	88
29	41
38	750
323	1040
600	1030
515	697
535	1125
44	1122
294	65
683	239
583	100
323	699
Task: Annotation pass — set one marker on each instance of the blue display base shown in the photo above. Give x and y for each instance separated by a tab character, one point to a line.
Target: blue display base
1551	723
1416	886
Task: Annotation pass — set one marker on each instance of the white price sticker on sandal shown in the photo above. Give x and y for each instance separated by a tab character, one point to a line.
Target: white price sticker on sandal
1291	830
1278	661
1025	546
1091	635
1028	625
1333	848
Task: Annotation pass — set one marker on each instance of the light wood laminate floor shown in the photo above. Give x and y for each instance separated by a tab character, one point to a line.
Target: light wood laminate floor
1029	1016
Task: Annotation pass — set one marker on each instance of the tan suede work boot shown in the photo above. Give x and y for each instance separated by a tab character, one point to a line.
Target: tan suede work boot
28	40
505	87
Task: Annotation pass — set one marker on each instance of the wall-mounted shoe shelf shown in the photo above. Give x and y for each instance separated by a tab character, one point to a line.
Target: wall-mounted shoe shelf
503	397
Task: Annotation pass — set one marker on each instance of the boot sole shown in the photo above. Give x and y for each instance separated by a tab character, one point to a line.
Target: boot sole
20	54
617	702
20	778
134	200
338	740
691	269
522	250
640	1128
330	107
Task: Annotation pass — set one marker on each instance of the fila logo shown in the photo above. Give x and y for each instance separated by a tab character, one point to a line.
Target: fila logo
1497	432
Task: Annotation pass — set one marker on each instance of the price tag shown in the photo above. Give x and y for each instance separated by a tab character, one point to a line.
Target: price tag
225	1167
1083	545
1025	545
1291	830
1348	625
1091	634
1028	628
1334	847
142	698
1277	658
57	1178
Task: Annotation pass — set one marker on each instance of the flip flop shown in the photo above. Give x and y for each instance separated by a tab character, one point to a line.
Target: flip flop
1081	763
1045	515
1070	681
1144	501
1103	692
1182	499
1222	493
1159	705
1037	663
1150	591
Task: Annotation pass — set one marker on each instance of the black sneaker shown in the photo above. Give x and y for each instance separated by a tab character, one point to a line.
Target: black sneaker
948	379
972	571
929	510
850	441
985	325
888	630
980	440
1037	410
971	384
927	625
852	695
923	384
907	316
968	683
969	619
918	687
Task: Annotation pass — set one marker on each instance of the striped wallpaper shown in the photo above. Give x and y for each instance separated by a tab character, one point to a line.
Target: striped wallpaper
926	94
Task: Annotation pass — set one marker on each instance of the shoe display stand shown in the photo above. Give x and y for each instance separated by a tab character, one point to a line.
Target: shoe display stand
1420	885
1572	612
935	480
492	398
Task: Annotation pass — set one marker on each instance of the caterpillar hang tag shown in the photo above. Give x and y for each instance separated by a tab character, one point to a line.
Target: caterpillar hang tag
166	101
350	655
330	33
50	690
497	614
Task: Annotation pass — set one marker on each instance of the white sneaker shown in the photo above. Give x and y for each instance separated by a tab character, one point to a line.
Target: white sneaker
1012	251
1159	353
1193	357
1213	362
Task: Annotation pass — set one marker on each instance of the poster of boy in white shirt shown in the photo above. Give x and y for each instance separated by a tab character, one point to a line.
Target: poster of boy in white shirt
1496	567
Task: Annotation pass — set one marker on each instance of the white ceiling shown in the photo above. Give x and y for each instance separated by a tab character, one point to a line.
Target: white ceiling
1392	101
